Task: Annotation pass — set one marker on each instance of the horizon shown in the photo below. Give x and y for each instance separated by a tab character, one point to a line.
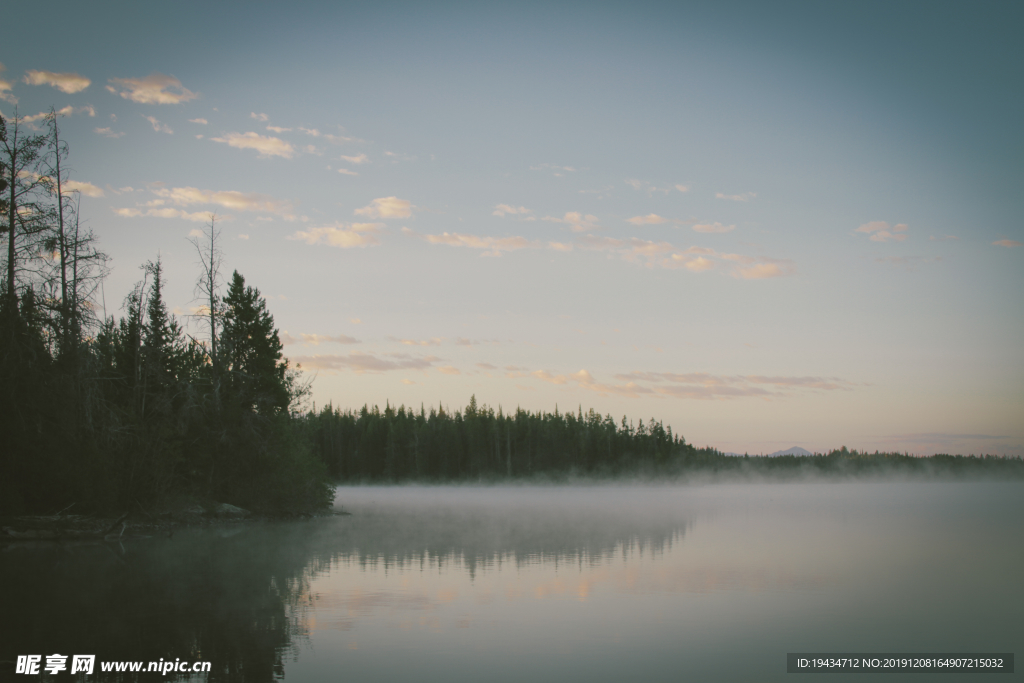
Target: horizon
748	222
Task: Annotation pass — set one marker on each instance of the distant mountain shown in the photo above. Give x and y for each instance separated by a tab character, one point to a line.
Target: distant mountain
795	450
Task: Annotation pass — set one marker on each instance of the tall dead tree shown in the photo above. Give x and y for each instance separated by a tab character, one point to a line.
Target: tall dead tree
24	216
56	180
208	285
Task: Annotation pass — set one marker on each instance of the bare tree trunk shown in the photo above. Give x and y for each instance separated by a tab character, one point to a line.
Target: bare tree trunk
62	243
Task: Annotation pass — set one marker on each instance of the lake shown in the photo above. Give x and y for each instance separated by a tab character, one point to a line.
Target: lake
713	582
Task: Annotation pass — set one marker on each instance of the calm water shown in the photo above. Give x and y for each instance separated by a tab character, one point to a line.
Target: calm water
604	583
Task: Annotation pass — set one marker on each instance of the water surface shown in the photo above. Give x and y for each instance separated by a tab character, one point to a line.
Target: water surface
599	583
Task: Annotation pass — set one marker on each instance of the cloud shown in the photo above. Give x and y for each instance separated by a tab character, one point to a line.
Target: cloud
158	126
360	159
5	88
649	219
264	145
200	121
341	235
278	129
433	341
705	386
745	197
153	89
66	111
651	189
345	171
317	339
576	220
88	189
259	117
386	207
508	210
1009	244
694	259
359	362
229	199
556	170
698	265
881	232
449	370
242	236
761	271
167	212
493	245
69	83
713	227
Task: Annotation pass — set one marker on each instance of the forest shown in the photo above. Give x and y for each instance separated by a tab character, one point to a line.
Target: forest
130	413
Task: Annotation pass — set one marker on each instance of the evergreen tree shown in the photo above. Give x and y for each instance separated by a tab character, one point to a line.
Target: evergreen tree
256	374
161	336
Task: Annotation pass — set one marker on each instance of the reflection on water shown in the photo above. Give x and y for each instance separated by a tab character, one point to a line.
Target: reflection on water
605	583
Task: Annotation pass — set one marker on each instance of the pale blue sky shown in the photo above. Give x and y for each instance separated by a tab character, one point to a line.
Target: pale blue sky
767	224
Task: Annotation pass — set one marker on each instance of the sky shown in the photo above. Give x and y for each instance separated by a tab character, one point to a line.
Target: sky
764	224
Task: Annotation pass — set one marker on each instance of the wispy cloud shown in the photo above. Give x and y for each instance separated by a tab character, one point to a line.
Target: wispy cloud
1009	244
492	246
344	236
881	232
449	370
229	199
317	339
386	207
365	362
744	197
88	189
694	259
433	341
651	189
167	212
158	126
262	118
556	170
278	129
655	219
68	82
266	146
649	219
153	89
200	121
509	210
345	171
706	386
358	159
64	111
577	221
5	88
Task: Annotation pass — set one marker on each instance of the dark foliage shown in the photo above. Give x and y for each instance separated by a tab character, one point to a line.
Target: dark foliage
478	443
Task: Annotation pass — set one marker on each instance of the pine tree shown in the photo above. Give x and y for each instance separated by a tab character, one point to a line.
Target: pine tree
251	351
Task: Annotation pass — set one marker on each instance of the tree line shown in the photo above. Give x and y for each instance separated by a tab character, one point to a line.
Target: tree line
479	443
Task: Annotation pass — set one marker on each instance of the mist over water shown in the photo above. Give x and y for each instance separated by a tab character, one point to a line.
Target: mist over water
602	583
